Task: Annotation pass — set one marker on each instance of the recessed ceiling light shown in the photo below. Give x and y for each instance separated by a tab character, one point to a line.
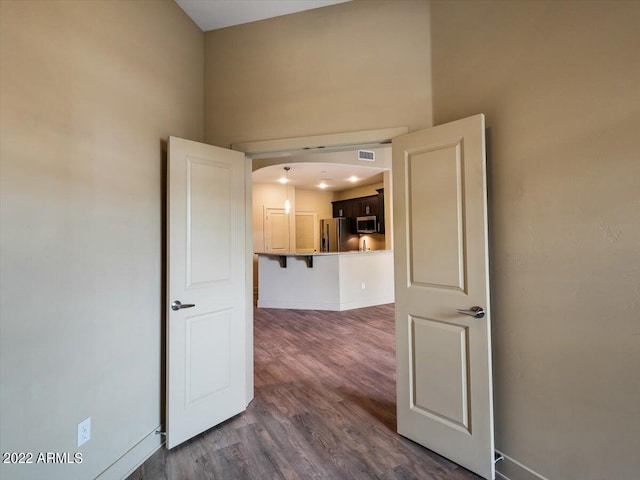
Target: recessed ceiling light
353	179
323	185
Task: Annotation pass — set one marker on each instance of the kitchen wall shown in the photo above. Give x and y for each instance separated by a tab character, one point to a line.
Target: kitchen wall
559	83
318	201
371	241
355	66
274	195
89	90
357	192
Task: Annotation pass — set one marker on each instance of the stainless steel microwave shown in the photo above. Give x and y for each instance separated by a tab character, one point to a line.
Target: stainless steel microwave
367	224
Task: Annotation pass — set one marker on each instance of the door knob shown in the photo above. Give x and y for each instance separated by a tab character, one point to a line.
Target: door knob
177	305
475	312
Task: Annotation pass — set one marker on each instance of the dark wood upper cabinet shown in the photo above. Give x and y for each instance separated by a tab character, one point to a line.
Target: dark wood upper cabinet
380	209
342	208
362	207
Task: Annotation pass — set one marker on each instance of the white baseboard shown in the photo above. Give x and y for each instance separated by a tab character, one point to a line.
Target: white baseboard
297	305
511	469
330	306
366	303
132	459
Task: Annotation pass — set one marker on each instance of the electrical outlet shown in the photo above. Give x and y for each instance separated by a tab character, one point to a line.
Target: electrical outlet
363	285
84	431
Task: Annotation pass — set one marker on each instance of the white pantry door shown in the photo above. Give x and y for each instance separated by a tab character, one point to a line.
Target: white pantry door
206	338
444	384
276	230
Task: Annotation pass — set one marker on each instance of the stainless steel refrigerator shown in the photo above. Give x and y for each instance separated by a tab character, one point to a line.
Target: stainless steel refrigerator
336	236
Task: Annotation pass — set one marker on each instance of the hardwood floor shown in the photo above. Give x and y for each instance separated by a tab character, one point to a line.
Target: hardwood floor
324	408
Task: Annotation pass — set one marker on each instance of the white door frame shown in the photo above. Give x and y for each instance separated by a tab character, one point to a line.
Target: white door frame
273	148
263	153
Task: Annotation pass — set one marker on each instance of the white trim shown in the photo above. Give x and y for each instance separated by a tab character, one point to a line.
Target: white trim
297	305
134	457
251	291
366	303
349	139
520	471
328	306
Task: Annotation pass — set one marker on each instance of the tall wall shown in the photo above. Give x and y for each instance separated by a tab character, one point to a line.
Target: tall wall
559	83
355	66
89	90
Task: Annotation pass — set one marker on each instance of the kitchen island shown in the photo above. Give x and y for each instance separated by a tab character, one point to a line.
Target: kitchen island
325	281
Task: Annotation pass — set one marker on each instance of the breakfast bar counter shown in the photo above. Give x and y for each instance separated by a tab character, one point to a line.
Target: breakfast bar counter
325	281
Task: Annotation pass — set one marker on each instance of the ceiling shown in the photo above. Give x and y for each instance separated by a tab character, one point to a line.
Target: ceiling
214	14
309	175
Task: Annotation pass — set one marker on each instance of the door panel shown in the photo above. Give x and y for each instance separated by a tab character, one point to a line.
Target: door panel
436	217
439	357
208	357
207	346
444	390
276	225
209	222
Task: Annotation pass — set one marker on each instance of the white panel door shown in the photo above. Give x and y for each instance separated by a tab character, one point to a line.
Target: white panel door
276	226
206	339
307	235
444	384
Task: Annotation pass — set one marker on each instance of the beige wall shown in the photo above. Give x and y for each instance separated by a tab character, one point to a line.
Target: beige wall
354	66
318	201
357	192
559	83
88	92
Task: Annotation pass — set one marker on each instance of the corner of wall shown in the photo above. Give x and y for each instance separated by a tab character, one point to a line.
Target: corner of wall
511	469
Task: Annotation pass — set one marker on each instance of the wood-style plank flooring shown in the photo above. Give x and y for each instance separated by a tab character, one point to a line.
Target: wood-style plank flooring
324	408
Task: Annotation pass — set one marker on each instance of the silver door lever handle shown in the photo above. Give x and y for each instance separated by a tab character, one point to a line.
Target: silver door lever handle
177	305
475	312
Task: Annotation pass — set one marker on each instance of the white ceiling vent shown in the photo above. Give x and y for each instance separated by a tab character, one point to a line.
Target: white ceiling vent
367	155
